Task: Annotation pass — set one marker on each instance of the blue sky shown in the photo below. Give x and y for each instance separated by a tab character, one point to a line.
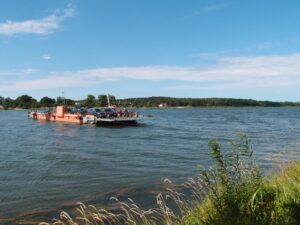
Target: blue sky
135	48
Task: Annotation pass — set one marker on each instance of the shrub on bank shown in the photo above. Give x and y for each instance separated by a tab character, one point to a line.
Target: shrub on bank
231	192
240	195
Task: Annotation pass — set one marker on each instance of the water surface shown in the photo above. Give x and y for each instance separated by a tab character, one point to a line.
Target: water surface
46	165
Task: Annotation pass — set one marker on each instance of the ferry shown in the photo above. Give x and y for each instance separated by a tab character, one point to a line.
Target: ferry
103	116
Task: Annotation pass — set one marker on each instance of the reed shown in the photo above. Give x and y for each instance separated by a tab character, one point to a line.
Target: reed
231	192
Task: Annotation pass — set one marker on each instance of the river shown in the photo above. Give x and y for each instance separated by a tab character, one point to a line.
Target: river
47	166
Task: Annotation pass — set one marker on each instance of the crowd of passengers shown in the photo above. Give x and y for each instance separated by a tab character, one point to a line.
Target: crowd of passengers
105	113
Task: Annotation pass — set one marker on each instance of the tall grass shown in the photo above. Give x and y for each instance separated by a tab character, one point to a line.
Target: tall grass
231	192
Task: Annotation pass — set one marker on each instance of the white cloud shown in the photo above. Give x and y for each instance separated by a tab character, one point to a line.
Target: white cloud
17	73
236	51
215	7
43	26
236	73
264	45
46	57
207	9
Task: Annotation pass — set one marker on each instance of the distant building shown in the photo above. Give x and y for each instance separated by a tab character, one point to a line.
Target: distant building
162	105
1	107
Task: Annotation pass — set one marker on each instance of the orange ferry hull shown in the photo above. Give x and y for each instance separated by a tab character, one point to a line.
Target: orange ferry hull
69	118
59	116
52	117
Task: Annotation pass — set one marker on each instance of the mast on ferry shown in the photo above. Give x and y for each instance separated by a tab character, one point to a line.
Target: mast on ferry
108	102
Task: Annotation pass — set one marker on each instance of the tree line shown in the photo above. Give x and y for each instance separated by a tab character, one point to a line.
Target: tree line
28	102
202	102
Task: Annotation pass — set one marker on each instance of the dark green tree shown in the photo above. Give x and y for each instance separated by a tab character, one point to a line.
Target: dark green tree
25	102
102	100
9	103
90	101
1	100
64	101
47	102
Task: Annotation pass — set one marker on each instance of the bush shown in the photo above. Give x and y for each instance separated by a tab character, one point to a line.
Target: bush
238	194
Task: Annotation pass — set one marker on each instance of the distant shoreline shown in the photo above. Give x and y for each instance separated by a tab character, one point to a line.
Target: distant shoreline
164	108
28	102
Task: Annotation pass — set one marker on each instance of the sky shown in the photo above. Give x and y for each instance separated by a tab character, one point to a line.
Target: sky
141	48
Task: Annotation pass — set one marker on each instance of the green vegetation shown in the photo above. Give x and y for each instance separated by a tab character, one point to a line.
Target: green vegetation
47	102
27	102
231	192
201	102
238	194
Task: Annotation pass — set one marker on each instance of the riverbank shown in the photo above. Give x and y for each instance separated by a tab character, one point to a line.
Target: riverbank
28	102
234	191
168	107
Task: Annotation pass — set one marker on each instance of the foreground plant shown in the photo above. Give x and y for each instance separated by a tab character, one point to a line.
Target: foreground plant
231	192
238	194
